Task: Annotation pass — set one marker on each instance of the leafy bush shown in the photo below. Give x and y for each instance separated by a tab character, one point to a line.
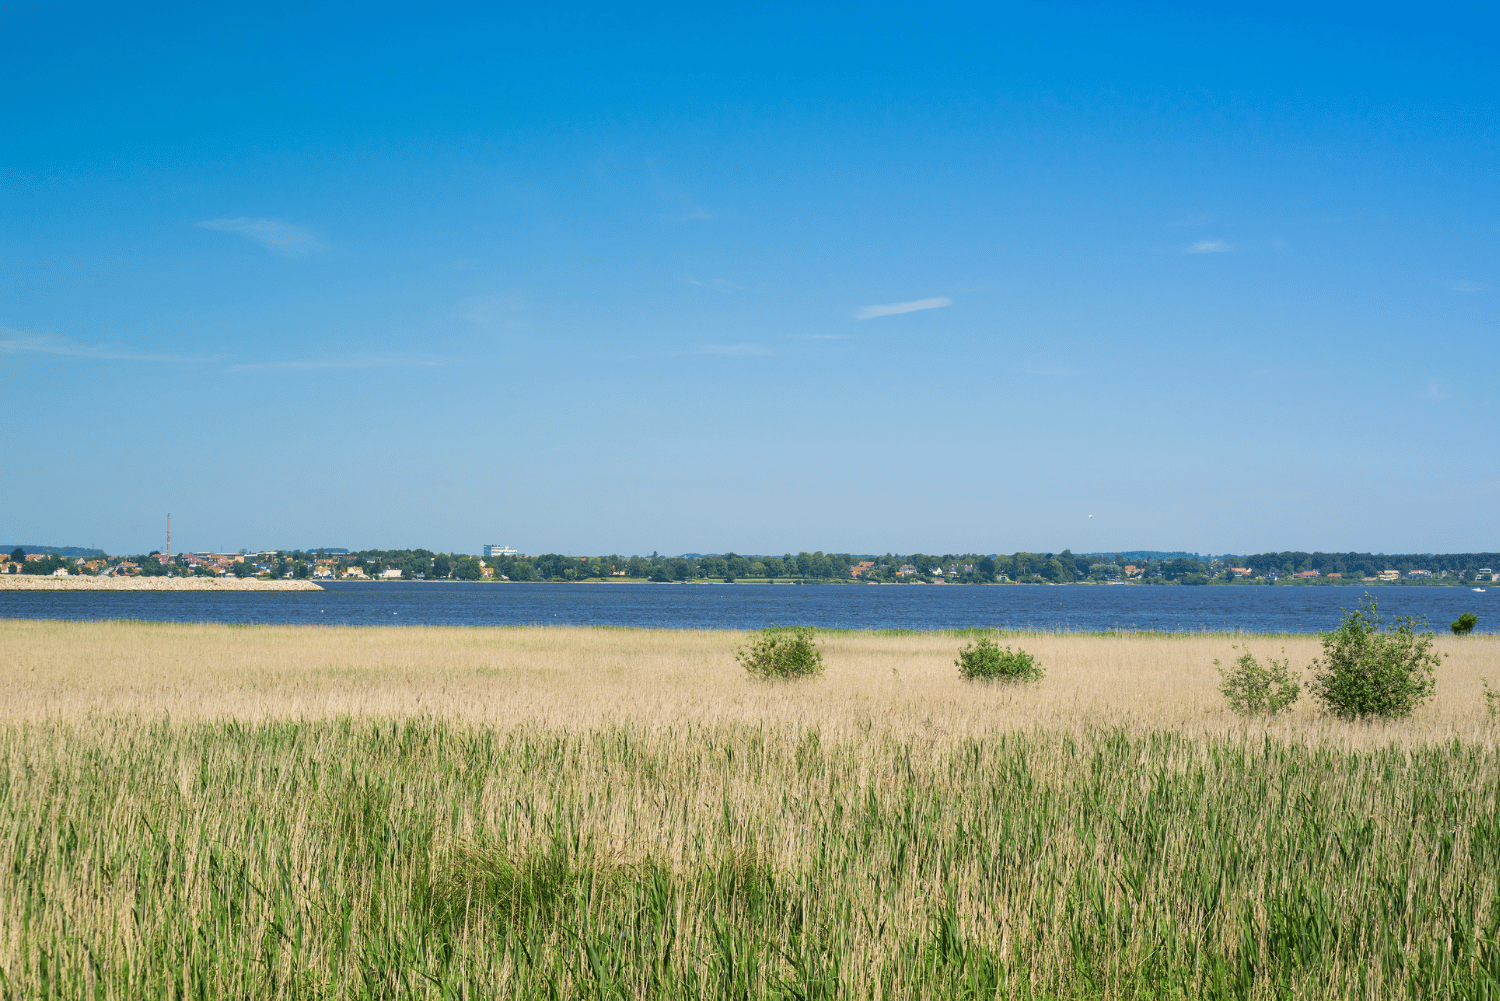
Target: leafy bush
1368	672
782	652
1253	690
984	661
1491	697
1464	624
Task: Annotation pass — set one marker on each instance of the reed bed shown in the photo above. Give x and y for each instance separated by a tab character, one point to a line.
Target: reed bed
268	812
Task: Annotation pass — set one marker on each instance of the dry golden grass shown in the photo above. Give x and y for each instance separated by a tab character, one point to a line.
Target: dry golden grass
581	679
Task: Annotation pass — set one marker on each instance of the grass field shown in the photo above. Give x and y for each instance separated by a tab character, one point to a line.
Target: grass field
265	812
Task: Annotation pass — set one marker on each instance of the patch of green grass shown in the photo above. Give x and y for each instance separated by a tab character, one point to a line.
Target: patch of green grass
419	859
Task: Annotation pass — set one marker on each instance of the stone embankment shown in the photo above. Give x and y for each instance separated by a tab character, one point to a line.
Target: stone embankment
28	582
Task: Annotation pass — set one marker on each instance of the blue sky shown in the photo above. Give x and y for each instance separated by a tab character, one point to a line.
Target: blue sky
761	278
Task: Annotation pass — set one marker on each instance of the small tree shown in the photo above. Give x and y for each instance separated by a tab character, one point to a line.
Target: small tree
984	661
782	652
1491	697
1253	690
1464	624
1366	671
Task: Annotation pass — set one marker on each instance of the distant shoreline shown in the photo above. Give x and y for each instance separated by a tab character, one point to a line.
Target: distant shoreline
27	582
839	582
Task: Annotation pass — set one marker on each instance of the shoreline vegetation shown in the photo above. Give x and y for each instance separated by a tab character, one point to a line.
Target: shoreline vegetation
19	582
22	582
531	812
1066	567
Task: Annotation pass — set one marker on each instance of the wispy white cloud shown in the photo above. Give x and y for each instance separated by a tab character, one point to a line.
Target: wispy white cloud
1436	392
502	311
334	363
1468	287
1210	247
870	312
284	238
15	342
717	284
732	350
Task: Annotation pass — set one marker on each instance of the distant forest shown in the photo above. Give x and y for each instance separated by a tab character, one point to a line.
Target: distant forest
72	552
1366	563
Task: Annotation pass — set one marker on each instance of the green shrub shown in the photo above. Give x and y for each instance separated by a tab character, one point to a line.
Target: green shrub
1253	690
782	652
1464	624
984	661
1491	697
1366	671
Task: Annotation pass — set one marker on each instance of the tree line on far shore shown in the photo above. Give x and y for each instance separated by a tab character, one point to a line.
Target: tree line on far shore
965	568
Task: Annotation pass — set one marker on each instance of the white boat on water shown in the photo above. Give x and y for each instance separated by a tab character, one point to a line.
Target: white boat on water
1479	589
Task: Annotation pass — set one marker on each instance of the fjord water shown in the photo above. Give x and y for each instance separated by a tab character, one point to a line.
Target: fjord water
751	606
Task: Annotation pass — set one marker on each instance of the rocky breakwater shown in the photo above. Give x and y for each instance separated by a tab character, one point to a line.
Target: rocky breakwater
28	582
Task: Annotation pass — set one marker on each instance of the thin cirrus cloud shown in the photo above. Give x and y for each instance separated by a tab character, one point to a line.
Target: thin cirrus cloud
870	312
344	363
717	284
1210	247
733	350
16	342
284	238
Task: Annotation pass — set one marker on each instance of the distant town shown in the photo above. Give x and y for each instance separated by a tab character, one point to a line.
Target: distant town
499	563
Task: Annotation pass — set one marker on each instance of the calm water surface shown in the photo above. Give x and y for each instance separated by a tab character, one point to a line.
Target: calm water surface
751	606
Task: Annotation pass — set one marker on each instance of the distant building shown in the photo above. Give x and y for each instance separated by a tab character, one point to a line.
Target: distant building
493	550
390	573
357	573
862	568
1420	573
1390	575
1307	573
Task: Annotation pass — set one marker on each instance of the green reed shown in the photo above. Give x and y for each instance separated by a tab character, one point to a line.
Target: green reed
420	859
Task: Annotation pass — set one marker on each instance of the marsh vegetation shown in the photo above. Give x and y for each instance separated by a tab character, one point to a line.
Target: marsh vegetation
208	811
